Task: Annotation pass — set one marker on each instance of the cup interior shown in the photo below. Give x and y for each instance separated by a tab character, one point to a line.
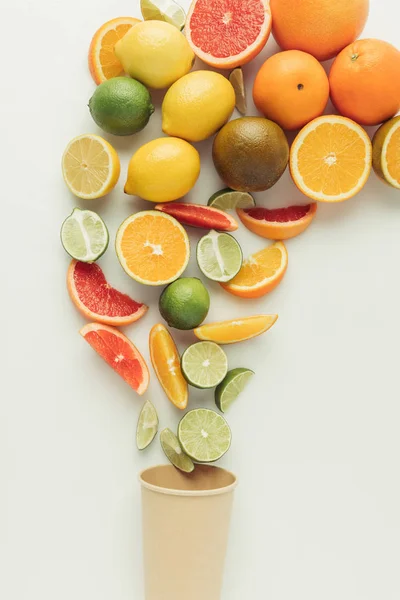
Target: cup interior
204	479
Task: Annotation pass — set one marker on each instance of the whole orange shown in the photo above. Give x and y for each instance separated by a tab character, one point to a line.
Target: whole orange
291	88
365	81
321	27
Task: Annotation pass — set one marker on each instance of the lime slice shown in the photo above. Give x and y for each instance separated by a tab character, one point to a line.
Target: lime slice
147	426
204	364
173	451
219	256
204	435
226	199
236	79
163	10
230	388
84	235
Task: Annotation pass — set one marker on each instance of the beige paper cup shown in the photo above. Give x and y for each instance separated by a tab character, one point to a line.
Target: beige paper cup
185	531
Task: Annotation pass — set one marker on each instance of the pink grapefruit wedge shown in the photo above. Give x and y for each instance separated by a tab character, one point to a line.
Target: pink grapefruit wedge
198	215
278	223
97	300
228	33
118	352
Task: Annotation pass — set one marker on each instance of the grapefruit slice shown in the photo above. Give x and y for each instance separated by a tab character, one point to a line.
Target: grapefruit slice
167	365
260	273
197	215
228	33
97	300
239	330
278	223
118	352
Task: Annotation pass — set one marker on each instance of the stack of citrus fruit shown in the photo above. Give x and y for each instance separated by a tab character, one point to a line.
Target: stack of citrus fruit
330	160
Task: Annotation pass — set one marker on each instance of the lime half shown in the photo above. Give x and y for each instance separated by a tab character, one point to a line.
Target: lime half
227	199
147	426
204	435
173	451
219	256
230	388
236	79
84	235
163	10
204	364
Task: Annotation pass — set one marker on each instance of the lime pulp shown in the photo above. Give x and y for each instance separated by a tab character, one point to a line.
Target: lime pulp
204	435
173	451
219	256
227	199
163	10
230	388
84	235
204	365
147	426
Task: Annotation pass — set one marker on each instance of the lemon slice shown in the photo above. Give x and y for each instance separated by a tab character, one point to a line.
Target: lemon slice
90	166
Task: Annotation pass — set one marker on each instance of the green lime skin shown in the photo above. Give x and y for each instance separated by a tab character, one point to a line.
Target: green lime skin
121	106
184	303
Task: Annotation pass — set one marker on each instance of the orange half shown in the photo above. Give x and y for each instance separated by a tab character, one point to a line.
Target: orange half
103	64
331	158
260	273
238	330
167	366
152	247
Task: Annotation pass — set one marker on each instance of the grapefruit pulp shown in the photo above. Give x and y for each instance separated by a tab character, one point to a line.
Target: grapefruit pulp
228	33
278	223
118	352
97	300
197	215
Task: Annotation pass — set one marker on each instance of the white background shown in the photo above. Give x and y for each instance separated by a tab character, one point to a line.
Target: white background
316	435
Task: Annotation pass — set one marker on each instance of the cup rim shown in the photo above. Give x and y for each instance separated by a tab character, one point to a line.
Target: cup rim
176	492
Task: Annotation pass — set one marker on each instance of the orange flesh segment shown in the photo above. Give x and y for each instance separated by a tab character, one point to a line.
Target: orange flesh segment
111	66
331	159
262	265
228	332
154	248
393	156
166	363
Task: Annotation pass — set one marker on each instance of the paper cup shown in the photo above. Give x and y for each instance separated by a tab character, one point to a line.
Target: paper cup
185	531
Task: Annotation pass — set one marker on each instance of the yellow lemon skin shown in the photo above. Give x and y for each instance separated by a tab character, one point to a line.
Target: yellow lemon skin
163	170
197	105
155	53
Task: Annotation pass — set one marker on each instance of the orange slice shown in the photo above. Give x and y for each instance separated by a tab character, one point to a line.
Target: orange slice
277	223
386	152
103	64
330	159
167	366
152	247
118	352
260	273
230	332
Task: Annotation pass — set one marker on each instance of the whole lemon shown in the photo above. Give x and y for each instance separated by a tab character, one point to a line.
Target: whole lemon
155	53
162	170
197	105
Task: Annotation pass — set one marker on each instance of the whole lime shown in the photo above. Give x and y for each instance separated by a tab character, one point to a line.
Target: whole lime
121	106
184	304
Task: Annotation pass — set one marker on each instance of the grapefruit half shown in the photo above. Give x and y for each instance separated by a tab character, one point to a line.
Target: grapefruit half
198	215
97	300
119	352
228	33
278	223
